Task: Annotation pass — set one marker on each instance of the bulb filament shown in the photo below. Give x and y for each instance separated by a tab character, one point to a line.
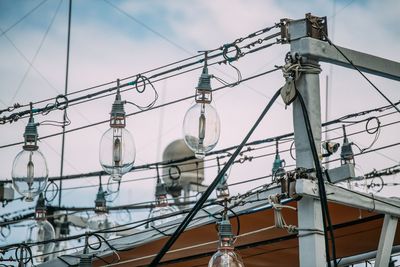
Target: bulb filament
30	171
202	125
117	152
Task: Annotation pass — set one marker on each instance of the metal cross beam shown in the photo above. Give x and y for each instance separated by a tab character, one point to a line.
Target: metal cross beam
351	198
323	51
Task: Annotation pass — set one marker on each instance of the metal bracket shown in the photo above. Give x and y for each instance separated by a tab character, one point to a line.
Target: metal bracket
310	26
347	197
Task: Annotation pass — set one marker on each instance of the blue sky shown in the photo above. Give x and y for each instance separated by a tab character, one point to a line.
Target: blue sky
107	44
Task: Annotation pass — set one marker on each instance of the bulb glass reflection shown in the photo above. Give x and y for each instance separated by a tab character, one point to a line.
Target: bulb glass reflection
41	231
162	208
201	128
226	257
117	152
29	173
102	221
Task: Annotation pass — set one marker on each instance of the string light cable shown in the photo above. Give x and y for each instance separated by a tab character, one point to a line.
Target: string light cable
183	161
96	234
135	83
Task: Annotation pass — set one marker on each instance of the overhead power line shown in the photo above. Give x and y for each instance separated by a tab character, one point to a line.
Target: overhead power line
22	18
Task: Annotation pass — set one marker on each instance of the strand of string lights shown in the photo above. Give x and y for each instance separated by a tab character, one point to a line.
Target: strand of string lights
242	159
139	81
138	224
152	108
122	227
183	161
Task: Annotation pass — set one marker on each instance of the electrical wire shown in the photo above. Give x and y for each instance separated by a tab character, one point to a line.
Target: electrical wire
326	220
212	186
358	70
23	18
141	111
37	51
184	161
173	69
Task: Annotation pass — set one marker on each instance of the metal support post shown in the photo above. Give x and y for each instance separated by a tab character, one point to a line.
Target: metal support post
386	241
311	243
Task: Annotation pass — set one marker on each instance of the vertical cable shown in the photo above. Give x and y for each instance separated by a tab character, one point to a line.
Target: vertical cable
65	110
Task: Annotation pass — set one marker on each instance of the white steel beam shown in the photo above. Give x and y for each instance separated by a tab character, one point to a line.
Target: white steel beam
386	241
360	258
323	51
309	188
311	244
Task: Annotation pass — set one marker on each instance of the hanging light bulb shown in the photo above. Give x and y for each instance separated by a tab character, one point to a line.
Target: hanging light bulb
64	247
29	172
226	255
117	147
222	190
40	231
278	166
101	220
201	125
162	207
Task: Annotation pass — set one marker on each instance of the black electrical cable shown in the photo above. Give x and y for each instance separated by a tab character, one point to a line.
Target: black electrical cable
183	161
361	73
153	108
327	223
179	67
209	190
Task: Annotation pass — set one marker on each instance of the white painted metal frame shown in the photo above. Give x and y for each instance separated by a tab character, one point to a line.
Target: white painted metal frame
312	247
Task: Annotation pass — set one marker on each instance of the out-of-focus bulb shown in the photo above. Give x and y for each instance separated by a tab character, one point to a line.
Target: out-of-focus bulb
226	255
117	147
201	125
101	220
40	231
29	172
64	247
162	207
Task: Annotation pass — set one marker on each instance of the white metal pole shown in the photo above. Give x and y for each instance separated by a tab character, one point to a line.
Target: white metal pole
311	241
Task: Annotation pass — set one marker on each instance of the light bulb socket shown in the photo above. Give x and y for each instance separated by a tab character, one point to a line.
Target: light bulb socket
31	136
117	118
64	227
100	202
85	260
277	166
161	190
203	89
222	190
225	229
346	153
40	209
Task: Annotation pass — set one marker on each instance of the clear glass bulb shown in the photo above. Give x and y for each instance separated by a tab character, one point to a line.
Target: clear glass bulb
201	128
117	152
40	231
102	221
226	256
29	173
162	208
64	247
